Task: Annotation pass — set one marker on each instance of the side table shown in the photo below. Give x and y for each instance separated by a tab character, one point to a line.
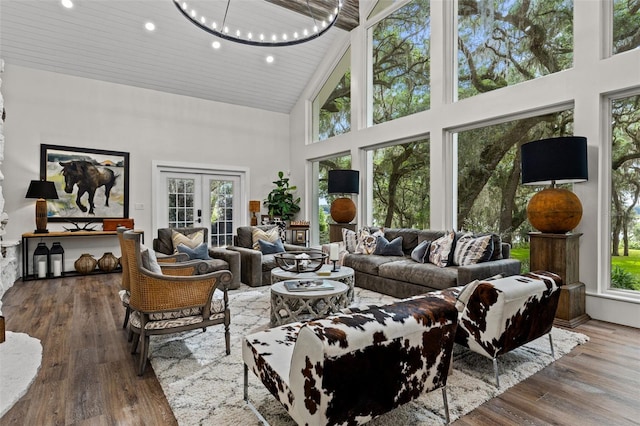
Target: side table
345	275
291	306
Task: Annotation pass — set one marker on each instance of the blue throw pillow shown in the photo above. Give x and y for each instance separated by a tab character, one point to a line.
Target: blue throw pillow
200	252
267	247
386	248
421	253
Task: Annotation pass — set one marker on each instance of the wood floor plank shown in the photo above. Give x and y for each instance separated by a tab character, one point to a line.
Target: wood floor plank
88	375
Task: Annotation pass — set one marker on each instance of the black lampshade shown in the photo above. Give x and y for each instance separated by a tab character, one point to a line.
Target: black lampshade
344	182
559	160
42	189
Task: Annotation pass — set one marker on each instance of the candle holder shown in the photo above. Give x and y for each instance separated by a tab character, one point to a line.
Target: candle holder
336	267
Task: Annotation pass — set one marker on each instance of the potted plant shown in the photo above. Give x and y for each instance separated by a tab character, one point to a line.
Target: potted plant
280	200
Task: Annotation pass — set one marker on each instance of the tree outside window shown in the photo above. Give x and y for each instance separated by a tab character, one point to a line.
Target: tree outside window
505	42
625	193
626	25
400	63
324	198
331	108
401	185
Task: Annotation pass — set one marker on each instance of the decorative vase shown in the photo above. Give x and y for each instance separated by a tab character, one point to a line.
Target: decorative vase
85	263
108	262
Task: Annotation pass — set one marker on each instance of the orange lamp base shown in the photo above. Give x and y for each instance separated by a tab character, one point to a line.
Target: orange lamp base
343	210
554	210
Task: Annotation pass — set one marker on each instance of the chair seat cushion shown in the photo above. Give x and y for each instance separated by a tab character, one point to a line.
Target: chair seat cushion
172	319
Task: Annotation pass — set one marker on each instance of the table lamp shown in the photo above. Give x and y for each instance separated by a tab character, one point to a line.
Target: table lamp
554	161
343	209
42	190
254	207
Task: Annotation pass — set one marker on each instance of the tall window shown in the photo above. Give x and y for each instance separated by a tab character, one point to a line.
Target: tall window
324	198
502	43
626	25
401	185
400	83
490	197
332	106
625	193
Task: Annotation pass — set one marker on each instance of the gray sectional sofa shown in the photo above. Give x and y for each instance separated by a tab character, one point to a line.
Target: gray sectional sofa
401	276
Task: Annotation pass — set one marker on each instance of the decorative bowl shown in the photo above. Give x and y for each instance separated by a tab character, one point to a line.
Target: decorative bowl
304	261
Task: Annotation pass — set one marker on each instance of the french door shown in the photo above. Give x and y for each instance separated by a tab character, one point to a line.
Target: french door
200	199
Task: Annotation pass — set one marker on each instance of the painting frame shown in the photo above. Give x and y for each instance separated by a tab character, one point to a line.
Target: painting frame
110	169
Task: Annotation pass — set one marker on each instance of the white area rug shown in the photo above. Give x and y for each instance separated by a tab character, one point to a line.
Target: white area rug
20	359
204	387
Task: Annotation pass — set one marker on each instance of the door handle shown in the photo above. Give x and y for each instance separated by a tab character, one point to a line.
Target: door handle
199	215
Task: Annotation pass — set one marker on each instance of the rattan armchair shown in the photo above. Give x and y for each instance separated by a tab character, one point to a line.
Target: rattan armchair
162	304
178	264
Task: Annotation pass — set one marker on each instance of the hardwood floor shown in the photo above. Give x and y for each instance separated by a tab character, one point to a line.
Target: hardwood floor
88	375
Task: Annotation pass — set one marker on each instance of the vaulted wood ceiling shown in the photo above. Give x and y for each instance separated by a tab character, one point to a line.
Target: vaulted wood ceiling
106	40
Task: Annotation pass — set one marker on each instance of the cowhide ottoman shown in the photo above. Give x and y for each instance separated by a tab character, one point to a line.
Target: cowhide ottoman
349	368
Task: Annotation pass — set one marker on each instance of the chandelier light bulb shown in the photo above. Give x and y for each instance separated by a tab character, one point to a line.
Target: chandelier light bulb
295	34
214	25
249	36
274	37
305	32
184	6
67	4
215	44
270	59
226	30
149	26
193	13
284	36
261	37
315	28
203	19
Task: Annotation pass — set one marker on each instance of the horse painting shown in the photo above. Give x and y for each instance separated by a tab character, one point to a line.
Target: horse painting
88	178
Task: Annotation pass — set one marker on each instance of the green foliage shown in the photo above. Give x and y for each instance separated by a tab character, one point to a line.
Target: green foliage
280	201
626	25
621	278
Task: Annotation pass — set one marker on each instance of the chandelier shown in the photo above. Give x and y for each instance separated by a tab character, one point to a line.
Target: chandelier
318	25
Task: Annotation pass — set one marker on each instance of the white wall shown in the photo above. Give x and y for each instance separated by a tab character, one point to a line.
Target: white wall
585	87
45	107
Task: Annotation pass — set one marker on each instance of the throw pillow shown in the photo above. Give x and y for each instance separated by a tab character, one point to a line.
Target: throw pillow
201	252
421	253
270	236
268	247
471	250
192	240
440	249
350	239
149	260
386	248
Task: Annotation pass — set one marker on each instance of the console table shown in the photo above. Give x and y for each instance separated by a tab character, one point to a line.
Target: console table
28	275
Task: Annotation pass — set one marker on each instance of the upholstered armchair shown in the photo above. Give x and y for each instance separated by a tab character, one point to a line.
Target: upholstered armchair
255	267
497	316
164	304
221	258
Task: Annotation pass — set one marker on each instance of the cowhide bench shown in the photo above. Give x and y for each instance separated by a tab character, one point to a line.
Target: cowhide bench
351	367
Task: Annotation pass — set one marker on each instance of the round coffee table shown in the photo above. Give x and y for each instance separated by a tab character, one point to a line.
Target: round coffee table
291	306
344	275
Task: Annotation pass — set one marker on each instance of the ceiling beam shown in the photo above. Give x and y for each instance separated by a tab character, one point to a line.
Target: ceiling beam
348	19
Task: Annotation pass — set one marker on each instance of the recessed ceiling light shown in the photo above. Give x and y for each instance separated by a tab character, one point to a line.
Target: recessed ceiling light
215	44
150	26
270	59
67	3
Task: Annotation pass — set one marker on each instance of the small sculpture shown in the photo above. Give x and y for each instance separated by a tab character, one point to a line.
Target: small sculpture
78	228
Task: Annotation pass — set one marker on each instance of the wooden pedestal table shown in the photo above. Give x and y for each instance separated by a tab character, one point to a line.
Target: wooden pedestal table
291	306
560	253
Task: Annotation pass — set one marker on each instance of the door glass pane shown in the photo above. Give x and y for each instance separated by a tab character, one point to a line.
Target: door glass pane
180	204
221	206
625	194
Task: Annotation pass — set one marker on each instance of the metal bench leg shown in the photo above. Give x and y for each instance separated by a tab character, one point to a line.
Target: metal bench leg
246	397
553	354
495	371
446	405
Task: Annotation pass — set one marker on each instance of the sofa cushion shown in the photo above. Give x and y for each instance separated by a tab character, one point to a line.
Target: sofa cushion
267	247
270	236
200	252
268	262
149	260
190	240
425	274
421	253
441	249
367	264
470	250
385	247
